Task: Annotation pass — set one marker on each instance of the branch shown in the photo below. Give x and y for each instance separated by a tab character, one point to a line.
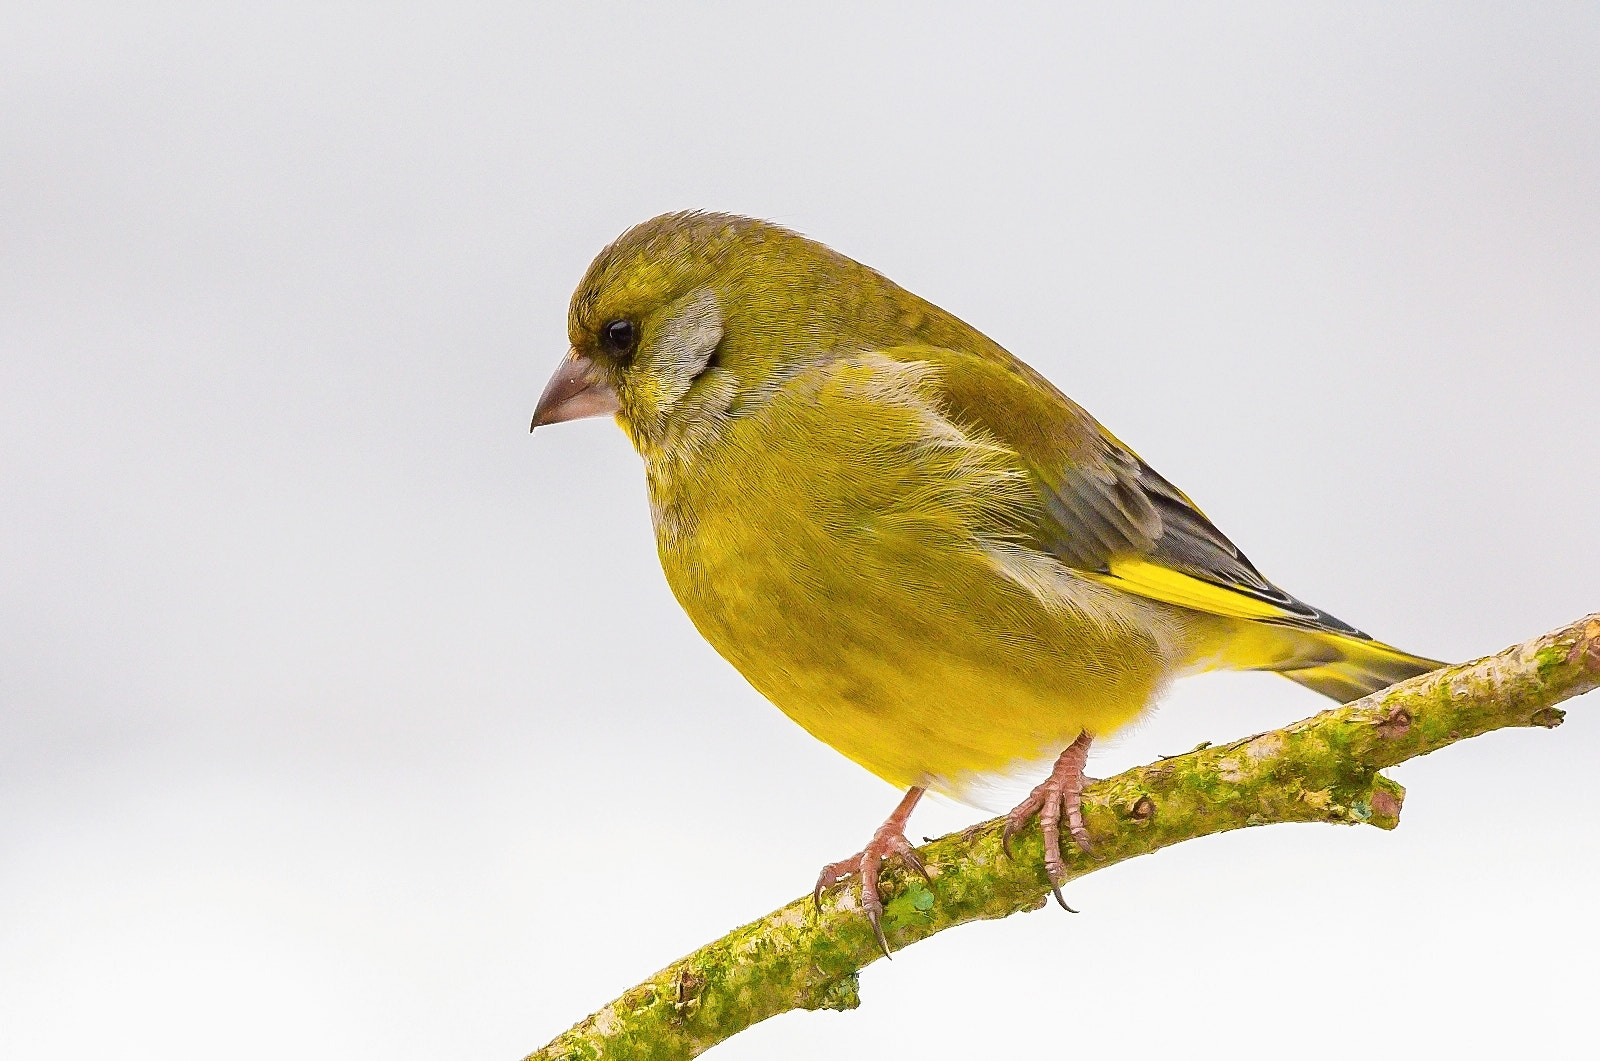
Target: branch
1324	769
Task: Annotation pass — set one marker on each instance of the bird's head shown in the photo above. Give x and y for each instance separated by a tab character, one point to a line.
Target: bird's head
688	314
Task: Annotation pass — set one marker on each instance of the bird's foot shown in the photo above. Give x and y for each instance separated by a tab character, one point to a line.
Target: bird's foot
1061	795
889	840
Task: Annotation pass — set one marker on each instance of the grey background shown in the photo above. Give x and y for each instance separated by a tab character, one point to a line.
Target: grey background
339	718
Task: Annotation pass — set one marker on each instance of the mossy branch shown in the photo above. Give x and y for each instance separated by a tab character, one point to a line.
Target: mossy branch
1324	769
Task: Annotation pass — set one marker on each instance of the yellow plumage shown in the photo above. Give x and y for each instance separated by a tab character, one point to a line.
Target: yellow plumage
866	595
903	536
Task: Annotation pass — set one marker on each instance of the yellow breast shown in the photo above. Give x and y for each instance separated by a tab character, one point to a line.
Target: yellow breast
850	551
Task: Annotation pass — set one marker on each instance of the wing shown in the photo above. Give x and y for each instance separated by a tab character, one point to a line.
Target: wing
1103	511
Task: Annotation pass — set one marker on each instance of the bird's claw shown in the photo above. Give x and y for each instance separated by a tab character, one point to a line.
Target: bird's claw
834	872
1055	889
877	930
887	842
1060	795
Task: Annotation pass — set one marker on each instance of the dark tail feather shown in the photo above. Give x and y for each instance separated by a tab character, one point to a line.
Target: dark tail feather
1362	667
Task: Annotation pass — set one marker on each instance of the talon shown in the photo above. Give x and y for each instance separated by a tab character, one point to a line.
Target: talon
1075	827
877	930
830	875
1060	793
890	839
1055	889
901	848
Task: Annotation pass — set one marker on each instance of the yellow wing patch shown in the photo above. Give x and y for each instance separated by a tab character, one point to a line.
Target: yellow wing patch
1135	575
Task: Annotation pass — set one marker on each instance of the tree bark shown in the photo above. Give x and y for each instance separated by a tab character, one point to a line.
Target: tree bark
1323	769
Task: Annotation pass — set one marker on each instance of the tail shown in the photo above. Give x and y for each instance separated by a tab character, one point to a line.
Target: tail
1358	667
1243	622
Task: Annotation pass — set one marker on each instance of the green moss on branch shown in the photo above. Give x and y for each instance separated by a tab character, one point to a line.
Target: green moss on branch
1324	769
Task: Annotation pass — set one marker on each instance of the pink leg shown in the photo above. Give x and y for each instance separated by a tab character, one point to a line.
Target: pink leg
890	839
1061	792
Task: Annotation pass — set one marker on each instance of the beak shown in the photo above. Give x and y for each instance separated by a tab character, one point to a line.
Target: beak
576	391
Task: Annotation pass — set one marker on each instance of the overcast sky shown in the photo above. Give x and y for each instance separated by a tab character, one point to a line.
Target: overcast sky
339	718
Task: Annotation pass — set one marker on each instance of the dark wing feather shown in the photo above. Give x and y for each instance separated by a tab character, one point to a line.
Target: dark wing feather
1102	506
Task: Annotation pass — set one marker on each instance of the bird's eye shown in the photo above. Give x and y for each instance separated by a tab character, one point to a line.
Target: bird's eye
618	337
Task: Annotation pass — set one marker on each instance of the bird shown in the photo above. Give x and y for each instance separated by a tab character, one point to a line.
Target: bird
905	537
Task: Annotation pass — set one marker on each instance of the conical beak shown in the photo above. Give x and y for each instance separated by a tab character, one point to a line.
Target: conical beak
576	391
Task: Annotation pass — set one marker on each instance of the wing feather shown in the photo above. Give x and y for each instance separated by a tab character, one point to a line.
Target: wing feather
1102	510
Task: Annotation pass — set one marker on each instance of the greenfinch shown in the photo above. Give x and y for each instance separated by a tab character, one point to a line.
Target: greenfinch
903	536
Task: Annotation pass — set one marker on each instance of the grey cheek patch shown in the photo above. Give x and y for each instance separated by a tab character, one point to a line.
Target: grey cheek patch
687	342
